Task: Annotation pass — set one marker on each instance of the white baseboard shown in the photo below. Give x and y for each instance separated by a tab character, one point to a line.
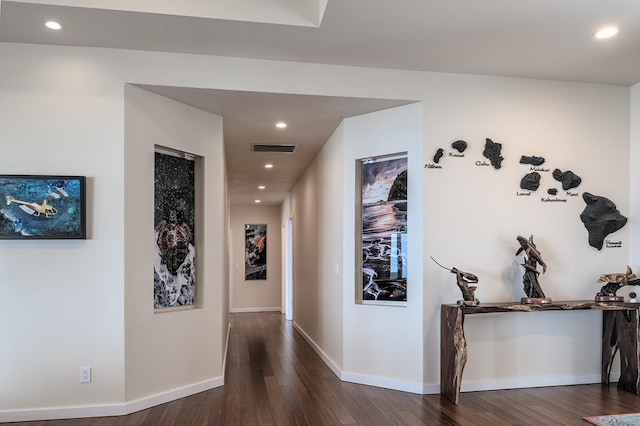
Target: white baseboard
107	410
226	350
430	389
172	395
271	309
52	413
528	382
383	382
325	358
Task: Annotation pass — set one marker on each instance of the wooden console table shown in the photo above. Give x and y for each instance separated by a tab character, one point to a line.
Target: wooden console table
620	332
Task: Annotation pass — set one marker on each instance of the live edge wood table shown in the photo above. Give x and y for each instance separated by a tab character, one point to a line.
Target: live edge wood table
620	332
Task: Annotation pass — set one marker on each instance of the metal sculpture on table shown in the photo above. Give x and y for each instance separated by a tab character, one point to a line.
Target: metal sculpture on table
532	287
463	279
614	282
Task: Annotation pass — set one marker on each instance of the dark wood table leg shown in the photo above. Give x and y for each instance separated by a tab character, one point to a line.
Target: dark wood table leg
609	344
453	351
627	340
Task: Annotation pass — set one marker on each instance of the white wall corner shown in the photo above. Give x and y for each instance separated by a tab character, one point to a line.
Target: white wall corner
384	382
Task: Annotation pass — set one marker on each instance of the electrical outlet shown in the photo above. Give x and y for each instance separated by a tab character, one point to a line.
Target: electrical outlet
85	374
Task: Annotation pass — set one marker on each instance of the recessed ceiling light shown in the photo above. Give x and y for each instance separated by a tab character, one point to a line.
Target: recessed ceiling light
53	25
268	166
261	187
281	125
606	32
257	201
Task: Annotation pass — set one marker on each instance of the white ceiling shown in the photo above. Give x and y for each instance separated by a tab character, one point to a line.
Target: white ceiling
549	39
250	118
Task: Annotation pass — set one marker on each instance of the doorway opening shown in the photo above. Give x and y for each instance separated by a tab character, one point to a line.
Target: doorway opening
288	271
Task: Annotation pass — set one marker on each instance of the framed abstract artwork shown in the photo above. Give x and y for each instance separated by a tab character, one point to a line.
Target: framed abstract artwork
42	207
174	278
383	228
255	252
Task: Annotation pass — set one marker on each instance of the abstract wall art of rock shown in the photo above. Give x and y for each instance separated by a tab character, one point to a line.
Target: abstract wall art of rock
459	146
534	161
530	181
438	156
601	217
569	179
492	151
552	191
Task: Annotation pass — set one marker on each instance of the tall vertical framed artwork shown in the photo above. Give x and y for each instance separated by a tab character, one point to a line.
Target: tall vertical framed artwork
383	228
255	252
174	280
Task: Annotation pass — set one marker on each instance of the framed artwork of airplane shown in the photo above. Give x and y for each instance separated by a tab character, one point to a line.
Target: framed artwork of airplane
42	207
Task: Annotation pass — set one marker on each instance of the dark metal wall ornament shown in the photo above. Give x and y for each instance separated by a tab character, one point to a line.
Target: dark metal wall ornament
601	218
532	288
533	160
42	207
530	181
383	234
255	252
459	146
493	151
174	219
438	155
569	179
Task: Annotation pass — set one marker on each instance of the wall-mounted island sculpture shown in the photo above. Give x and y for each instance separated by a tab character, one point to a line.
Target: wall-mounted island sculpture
532	287
459	146
438	155
601	218
533	160
530	181
493	151
569	179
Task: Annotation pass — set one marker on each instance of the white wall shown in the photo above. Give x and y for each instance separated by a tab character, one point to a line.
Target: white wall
62	306
171	349
63	112
634	178
473	216
383	344
316	208
256	295
65	107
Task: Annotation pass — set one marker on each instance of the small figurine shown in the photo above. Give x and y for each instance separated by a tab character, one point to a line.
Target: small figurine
530	278
463	280
614	282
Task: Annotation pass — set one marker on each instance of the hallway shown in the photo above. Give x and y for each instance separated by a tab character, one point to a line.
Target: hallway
273	377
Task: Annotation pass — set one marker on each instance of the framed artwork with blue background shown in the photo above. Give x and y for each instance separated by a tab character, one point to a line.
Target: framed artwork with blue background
42	207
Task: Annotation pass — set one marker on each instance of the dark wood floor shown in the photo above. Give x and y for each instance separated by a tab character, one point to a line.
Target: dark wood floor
274	377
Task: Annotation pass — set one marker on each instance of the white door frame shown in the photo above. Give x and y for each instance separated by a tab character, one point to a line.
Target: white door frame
288	273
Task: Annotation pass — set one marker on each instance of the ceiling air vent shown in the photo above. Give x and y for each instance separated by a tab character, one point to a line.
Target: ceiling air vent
273	148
